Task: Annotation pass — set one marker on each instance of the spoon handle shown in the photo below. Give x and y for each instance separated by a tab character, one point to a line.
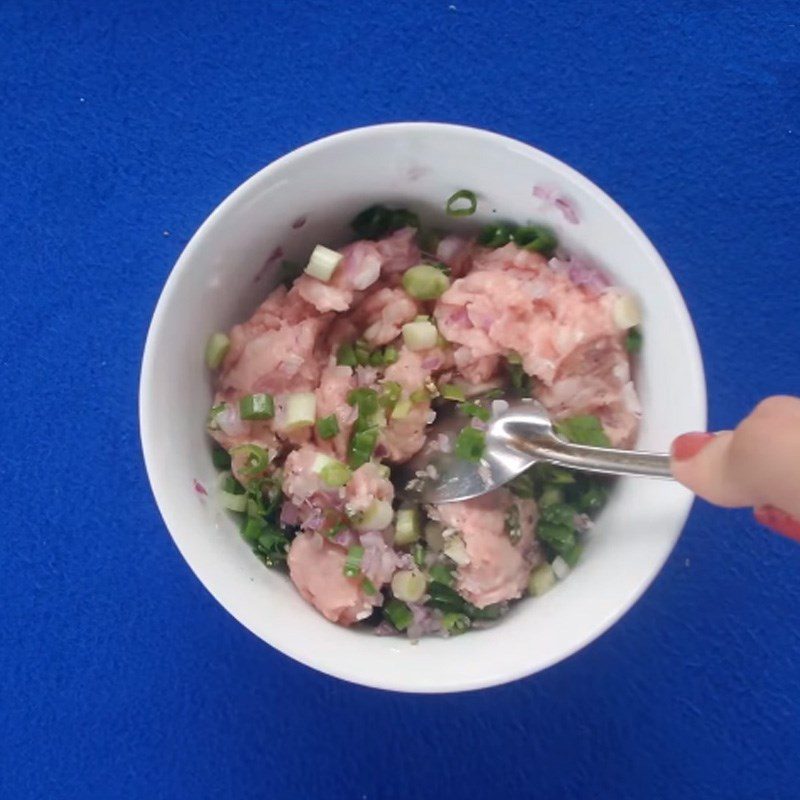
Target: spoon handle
597	459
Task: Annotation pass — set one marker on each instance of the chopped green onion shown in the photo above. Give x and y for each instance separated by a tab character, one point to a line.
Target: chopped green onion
402	409
390	355
441	574
542	580
376	358
369	587
346	356
372	222
522	486
377	516
550	496
456	550
378	220
561	538
301	408
419	396
216	349
455	623
352	563
230	484
327	427
593	499
220	457
420	335
365	399
362	353
433	536
520	380
323	263
257	406
535	237
256	459
583	429
232	494
449	391
425	282
272	545
633	340
474	410
402	218
496	235
626	312
547	473
233	502
572	555
211	422
399	614
418	554
455	203
470	444
408	585
558	514
252	529
512	523
335	473
362	444
390	393
406	526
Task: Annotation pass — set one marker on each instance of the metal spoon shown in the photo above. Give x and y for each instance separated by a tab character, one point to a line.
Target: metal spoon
518	435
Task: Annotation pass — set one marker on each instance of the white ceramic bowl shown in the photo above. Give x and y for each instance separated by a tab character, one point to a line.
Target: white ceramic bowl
225	271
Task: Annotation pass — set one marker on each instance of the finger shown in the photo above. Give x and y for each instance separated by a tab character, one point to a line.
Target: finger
704	465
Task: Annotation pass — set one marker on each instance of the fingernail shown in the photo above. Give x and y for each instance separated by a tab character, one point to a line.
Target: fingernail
778	520
689	445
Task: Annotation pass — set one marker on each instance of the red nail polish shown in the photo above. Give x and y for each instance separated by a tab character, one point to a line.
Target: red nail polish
689	445
778	520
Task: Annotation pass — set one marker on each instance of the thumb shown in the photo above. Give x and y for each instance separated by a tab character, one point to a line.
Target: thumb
702	462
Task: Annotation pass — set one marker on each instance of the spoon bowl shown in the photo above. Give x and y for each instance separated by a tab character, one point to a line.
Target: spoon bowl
519	434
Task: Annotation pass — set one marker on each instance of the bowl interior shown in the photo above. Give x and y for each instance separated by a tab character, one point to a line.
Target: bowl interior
308	197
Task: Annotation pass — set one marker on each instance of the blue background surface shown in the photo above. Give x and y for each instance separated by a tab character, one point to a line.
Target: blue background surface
120	677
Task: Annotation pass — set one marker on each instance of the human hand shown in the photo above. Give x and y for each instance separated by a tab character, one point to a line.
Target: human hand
757	464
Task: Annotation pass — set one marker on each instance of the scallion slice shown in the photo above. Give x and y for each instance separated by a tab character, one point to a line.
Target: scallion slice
257	406
256	459
449	391
633	340
335	473
420	335
474	410
361	447
470	444
455	623
390	355
346	356
216	349
352	563
399	614
462	203
425	282
327	427
323	263
537	238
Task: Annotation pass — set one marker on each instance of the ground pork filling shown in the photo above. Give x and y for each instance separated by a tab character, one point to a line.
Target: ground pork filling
336	378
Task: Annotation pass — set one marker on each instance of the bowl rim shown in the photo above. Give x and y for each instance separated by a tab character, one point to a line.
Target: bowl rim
337	668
